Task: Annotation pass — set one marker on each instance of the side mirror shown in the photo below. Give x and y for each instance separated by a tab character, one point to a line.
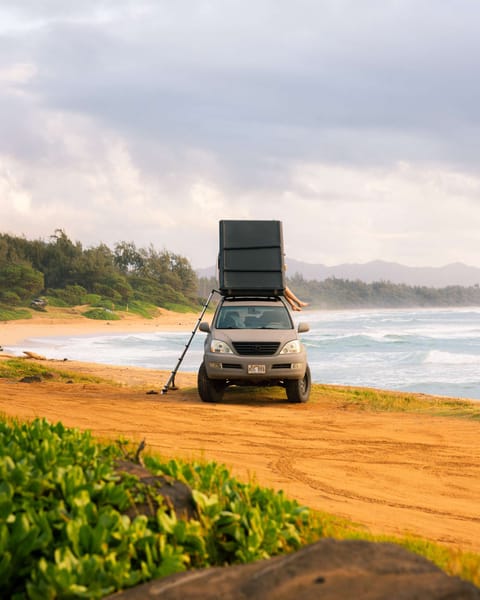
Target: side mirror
205	327
303	327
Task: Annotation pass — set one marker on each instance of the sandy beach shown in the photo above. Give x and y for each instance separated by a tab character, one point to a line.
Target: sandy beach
70	322
393	473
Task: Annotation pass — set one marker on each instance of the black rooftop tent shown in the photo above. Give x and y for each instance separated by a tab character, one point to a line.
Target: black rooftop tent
251	258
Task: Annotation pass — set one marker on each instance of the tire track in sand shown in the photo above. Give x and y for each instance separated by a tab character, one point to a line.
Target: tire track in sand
284	467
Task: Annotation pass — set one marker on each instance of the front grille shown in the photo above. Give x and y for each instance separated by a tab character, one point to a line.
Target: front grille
256	348
282	366
231	366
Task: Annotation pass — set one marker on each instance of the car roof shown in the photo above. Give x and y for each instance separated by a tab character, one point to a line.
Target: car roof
246	301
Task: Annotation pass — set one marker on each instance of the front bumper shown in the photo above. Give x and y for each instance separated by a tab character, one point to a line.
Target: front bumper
255	368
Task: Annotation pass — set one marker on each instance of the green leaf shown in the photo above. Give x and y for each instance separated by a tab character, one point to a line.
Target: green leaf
6	569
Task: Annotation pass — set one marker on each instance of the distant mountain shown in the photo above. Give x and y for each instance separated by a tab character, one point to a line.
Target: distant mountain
379	270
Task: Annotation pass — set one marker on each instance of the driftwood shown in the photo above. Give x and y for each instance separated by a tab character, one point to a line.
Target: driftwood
34	355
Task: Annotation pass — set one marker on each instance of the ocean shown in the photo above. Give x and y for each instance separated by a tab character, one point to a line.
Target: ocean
434	351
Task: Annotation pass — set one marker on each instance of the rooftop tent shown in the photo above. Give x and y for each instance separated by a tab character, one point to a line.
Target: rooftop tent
250	259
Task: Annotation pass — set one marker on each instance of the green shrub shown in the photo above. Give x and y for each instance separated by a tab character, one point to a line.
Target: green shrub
107	292
64	531
10	314
101	314
21	279
143	309
242	522
72	295
55	301
10	298
16	368
91	299
104	303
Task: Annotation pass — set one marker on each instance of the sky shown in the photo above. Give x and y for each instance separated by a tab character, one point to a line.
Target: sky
356	124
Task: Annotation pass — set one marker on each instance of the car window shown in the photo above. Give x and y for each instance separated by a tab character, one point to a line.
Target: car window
253	317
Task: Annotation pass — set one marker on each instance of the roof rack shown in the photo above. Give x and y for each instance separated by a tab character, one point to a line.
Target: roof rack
252	298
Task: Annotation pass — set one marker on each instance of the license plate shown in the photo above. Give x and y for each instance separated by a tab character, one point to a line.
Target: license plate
252	369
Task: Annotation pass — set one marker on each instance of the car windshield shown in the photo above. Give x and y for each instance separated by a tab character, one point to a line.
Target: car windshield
253	317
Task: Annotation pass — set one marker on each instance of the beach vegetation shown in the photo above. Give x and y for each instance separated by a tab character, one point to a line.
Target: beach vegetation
389	401
92	299
104	303
142	309
8	313
11	298
101	314
63	269
19	282
56	302
16	369
66	529
70	295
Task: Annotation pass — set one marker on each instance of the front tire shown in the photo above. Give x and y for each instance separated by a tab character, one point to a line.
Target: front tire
298	390
209	390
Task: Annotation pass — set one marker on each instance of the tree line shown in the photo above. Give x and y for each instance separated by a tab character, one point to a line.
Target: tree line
69	274
335	293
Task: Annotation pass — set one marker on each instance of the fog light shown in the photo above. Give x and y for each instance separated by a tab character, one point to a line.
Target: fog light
215	365
296	366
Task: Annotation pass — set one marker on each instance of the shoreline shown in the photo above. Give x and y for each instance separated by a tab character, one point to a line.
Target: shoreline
43	335
45	325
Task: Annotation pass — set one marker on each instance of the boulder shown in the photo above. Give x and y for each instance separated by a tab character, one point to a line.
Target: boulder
177	494
31	379
326	570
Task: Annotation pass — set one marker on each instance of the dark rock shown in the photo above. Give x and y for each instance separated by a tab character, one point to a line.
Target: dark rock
31	379
326	570
177	494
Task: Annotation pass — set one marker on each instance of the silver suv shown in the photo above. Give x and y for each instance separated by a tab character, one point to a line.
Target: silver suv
254	342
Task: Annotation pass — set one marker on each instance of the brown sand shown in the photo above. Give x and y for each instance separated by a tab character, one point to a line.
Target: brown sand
71	323
394	473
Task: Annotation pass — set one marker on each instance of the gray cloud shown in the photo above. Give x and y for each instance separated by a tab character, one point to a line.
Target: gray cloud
218	106
275	79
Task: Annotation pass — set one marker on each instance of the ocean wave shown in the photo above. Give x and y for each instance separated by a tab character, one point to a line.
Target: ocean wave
355	339
440	357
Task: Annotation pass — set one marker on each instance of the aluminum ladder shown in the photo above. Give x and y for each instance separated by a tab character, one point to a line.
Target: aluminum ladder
171	380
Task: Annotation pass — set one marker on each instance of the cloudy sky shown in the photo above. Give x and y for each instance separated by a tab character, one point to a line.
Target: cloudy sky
355	123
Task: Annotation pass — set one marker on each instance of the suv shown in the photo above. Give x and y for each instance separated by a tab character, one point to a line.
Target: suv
253	342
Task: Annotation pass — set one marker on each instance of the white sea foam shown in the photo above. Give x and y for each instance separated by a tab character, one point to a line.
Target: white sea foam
438	357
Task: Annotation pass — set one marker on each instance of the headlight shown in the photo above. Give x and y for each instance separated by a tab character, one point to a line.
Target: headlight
220	347
293	347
